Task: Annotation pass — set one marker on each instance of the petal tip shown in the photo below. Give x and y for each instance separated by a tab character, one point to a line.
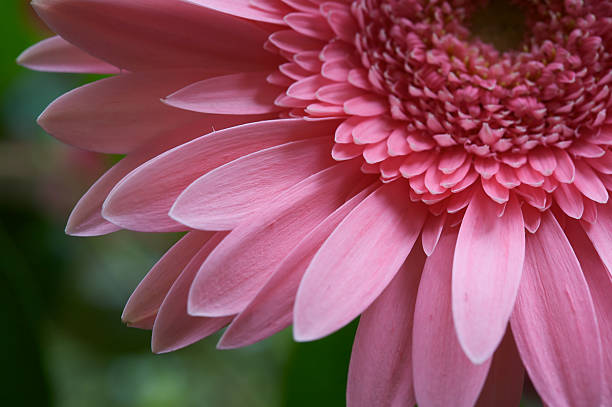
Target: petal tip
226	343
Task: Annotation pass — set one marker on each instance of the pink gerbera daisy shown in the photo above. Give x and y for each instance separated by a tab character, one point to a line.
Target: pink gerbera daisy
337	158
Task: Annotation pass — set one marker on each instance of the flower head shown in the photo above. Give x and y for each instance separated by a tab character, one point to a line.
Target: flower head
319	140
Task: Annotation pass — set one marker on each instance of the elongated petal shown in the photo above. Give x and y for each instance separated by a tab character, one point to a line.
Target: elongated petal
141	201
380	373
157	34
443	375
600	286
431	232
600	234
357	261
242	8
174	328
504	385
272	309
486	274
243	93
229	195
150	293
122	113
57	55
86	217
238	268
554	322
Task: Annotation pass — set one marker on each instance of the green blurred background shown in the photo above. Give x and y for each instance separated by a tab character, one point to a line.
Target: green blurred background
62	341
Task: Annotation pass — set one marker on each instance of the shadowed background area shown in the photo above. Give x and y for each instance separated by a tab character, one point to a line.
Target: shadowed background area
63	343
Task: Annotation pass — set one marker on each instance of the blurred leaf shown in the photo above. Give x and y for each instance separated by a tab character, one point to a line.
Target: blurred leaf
317	371
21	307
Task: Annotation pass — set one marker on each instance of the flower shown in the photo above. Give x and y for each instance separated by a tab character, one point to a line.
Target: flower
336	134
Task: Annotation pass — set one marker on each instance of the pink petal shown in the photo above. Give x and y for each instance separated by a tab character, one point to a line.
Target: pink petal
602	164
338	93
234	192
243	93
504	385
589	184
168	34
397	144
529	176
565	171
487	167
174	328
443	375
372	130
531	217
342	152
242	8
57	55
451	160
240	266
146	323
431	232
554	322
338	70
417	163
366	105
543	160
569	200
380	373
272	309
86	217
291	41
600	285
357	261
486	274
141	201
507	177
306	89
122	113
495	190
310	24
600	234
375	153
343	24
150	293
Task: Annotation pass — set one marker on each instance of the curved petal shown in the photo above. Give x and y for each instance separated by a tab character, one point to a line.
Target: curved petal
174	328
272	309
58	55
243	93
600	233
158	34
380	373
443	375
141	200
150	293
86	217
504	385
242	8
599	280
487	271
232	193
431	232
357	261
237	269
119	114
554	322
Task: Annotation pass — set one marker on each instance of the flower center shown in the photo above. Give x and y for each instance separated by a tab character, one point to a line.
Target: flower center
449	81
454	95
500	23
